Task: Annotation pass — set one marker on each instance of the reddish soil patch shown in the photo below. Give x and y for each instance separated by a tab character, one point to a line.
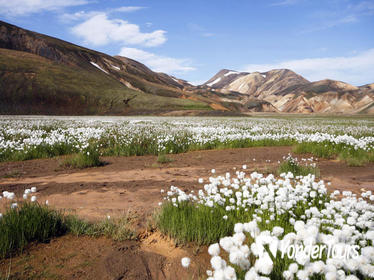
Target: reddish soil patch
70	257
133	184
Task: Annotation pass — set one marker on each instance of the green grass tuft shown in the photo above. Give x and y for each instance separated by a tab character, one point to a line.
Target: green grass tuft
27	223
162	158
199	223
118	229
291	165
84	159
32	222
352	156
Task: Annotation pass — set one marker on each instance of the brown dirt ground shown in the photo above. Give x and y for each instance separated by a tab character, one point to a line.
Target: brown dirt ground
132	184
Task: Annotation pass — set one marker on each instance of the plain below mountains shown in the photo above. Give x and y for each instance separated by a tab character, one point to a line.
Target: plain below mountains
44	75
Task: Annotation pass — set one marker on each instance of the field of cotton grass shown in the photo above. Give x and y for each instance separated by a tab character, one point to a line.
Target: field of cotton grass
274	228
284	225
23	138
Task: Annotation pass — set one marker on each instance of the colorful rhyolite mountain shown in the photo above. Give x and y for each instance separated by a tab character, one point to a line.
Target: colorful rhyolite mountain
44	75
286	91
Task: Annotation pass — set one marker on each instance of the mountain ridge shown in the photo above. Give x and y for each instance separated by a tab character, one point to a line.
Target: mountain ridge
289	92
40	74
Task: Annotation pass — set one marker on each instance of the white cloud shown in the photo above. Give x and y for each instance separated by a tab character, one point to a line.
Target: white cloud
285	3
127	9
364	8
357	69
158	63
207	34
84	15
346	14
99	30
332	23
81	15
24	7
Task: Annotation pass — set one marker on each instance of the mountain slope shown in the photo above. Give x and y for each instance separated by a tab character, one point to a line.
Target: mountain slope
223	78
56	77
289	92
30	84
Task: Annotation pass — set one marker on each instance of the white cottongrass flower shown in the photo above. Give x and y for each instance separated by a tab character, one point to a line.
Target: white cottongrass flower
214	249
186	262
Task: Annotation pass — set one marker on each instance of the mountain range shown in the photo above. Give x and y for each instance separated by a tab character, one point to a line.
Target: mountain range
40	74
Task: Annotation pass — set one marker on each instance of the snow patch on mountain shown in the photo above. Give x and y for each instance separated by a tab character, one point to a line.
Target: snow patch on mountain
114	67
231	73
214	82
97	66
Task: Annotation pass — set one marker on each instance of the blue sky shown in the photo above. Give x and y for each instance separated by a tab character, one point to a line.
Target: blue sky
195	39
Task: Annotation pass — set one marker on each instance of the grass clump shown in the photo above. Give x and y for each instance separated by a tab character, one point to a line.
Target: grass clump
90	157
356	157
198	223
30	222
292	165
117	229
163	158
321	150
353	156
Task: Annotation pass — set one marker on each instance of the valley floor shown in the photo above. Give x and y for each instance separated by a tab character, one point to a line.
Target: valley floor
132	185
